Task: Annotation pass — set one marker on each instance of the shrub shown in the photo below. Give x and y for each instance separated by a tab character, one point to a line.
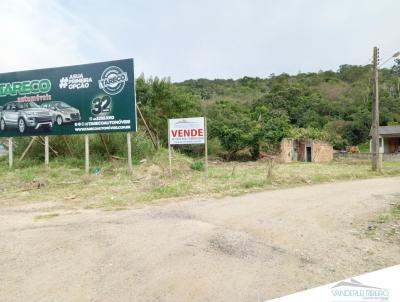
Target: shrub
197	165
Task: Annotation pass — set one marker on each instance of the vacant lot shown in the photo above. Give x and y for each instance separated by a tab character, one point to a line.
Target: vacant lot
245	248
109	186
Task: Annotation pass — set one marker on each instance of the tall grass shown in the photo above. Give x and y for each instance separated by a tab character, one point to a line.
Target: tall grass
71	149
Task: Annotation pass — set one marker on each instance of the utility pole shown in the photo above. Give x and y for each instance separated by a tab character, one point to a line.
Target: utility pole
376	156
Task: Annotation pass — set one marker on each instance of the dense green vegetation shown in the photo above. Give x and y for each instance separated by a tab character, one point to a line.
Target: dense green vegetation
254	114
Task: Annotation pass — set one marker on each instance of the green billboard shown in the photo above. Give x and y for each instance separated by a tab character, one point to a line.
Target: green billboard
81	99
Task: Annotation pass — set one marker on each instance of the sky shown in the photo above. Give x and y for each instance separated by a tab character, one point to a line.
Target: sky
189	39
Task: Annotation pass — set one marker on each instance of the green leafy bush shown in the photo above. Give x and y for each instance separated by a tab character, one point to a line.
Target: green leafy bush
197	165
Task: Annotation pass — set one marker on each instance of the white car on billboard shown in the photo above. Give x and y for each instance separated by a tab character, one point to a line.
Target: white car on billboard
62	113
24	116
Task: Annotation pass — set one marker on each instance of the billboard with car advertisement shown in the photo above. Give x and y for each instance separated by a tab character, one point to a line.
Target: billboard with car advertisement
79	99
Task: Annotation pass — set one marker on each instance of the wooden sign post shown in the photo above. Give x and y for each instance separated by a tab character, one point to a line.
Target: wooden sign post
205	147
169	149
10	152
128	140
46	151
87	154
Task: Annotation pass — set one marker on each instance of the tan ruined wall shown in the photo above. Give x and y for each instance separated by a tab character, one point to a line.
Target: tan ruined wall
301	149
322	151
286	150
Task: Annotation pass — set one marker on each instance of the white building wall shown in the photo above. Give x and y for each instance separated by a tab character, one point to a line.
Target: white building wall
383	145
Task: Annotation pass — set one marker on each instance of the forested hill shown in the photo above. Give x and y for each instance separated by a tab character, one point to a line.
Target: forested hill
320	100
257	113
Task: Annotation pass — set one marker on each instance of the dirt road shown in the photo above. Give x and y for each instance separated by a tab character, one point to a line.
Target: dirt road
248	248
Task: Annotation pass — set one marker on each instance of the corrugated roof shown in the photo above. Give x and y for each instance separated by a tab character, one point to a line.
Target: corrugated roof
388	130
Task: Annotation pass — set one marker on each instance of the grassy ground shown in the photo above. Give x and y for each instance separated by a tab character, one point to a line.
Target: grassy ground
385	226
110	186
364	148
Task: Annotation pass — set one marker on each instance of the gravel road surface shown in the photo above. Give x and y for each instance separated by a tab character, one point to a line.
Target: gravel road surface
246	248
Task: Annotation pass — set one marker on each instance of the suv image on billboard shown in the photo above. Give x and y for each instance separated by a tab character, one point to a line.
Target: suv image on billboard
62	113
25	115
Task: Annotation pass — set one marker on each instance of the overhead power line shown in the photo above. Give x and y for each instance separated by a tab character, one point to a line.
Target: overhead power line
395	55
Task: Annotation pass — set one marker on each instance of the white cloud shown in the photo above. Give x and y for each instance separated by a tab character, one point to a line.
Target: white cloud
192	39
38	33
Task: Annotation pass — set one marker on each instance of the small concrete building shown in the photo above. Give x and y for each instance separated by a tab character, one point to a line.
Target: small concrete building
389	140
307	150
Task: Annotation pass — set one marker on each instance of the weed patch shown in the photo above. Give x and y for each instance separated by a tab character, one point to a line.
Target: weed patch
386	226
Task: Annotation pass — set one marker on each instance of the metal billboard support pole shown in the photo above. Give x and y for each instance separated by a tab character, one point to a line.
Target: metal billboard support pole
46	151
128	140
86	154
10	152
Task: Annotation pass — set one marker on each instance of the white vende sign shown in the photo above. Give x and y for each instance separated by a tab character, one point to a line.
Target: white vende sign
186	131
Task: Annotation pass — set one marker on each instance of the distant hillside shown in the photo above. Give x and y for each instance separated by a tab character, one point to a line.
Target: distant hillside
254	114
337	102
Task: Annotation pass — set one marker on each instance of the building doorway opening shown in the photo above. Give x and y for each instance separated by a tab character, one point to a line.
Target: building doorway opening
308	151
